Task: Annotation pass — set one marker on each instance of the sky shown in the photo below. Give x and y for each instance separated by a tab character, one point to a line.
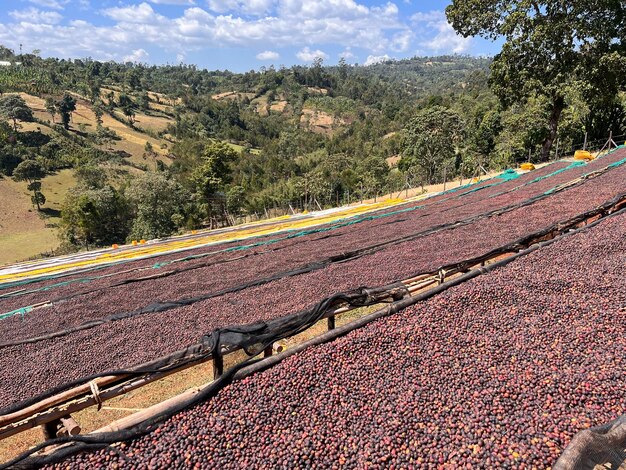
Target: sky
237	35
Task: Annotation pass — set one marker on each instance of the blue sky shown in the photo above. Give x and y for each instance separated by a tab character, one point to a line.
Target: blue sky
238	35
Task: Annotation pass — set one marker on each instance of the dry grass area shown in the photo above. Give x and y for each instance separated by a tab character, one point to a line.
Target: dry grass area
279	107
25	233
393	160
131	141
317	90
152	123
232	95
320	122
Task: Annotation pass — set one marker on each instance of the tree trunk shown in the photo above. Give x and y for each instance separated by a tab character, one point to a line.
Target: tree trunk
555	115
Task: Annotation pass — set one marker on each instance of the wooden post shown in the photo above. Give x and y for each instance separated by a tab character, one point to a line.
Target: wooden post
445	176
610	140
218	366
558	141
70	427
585	143
49	430
331	323
267	352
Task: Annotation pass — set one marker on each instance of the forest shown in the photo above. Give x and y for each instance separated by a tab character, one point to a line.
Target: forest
298	138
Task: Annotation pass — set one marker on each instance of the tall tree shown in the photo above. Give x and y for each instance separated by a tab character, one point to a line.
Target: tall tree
32	172
128	107
212	173
158	205
66	106
94	216
51	107
430	141
14	107
550	46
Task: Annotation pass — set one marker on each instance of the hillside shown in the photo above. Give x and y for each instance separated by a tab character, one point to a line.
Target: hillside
253	113
167	149
23	232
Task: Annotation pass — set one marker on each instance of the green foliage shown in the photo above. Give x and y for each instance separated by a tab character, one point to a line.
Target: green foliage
90	176
431	141
51	107
128	107
94	216
212	172
33	139
551	46
32	171
14	108
333	105
37	199
9	160
66	106
158	206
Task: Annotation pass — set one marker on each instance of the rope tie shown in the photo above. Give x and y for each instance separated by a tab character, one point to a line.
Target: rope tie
93	385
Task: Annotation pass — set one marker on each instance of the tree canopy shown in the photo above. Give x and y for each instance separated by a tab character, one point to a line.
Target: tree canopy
14	107
431	140
66	106
550	47
32	171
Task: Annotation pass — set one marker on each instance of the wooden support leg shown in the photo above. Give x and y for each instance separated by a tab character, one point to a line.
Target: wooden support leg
69	427
331	323
218	366
267	352
50	429
62	427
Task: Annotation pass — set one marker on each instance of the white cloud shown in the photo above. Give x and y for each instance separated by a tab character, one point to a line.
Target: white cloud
448	40
445	39
401	41
180	58
309	26
307	55
268	55
33	15
56	4
347	54
376	59
138	56
141	14
428	17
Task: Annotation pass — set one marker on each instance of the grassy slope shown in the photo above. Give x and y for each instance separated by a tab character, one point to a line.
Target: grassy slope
23	232
132	141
